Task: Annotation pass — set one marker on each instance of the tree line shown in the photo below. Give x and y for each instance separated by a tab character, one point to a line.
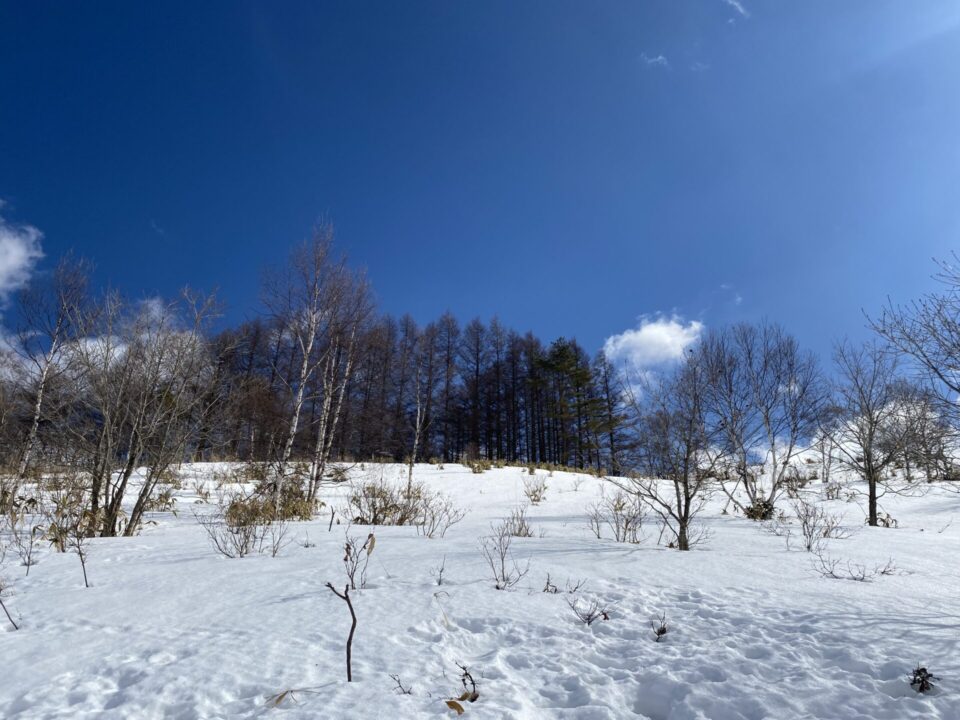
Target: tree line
107	386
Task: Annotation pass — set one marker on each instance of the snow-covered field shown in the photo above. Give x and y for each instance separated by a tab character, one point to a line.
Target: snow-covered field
170	629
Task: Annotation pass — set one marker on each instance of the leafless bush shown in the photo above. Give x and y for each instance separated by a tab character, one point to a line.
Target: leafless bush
70	523
379	503
439	570
659	627
817	525
230	540
885	520
517	524
23	532
437	515
551	587
201	491
778	526
62	509
622	513
400	689
589	612
5	590
535	489
78	540
277	537
161	501
836	569
338	474
243	524
496	551
356	557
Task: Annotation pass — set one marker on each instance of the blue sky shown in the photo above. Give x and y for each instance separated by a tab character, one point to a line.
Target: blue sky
568	166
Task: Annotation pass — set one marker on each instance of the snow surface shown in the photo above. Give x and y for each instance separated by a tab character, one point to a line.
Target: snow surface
170	629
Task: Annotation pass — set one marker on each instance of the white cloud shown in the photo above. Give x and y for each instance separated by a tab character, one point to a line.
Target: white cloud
655	341
738	6
658	61
19	252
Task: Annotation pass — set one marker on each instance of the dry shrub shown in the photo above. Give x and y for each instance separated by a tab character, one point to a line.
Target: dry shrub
817	525
535	489
478	466
237	538
379	503
496	551
338	474
517	524
623	514
245	524
588	611
438	514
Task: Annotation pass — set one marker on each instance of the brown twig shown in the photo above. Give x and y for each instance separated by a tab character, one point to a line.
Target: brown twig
345	596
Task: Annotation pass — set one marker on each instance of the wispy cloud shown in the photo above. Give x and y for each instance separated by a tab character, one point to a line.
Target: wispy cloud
19	252
656	341
732	293
156	228
738	6
699	67
655	61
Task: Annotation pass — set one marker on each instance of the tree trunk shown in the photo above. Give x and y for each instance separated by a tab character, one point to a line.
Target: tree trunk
31	440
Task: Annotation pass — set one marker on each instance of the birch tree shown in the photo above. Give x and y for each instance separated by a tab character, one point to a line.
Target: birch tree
350	310
309	304
51	314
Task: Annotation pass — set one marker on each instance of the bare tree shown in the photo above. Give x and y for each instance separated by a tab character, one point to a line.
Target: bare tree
352	310
298	303
135	388
678	449
926	434
767	396
419	419
51	314
318	306
927	331
869	435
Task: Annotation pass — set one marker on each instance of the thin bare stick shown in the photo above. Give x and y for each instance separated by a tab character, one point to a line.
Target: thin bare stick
7	613
345	596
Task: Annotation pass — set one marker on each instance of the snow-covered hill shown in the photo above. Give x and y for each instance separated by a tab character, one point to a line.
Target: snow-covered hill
171	629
